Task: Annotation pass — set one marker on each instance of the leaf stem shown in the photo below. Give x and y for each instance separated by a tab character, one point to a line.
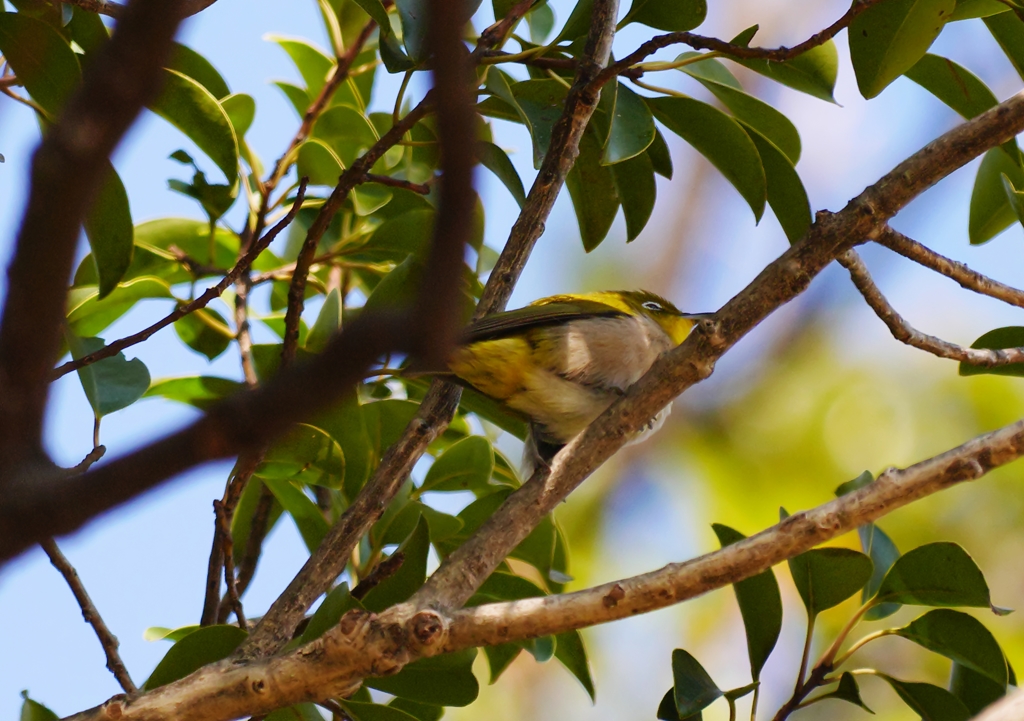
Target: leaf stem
839	661
656	66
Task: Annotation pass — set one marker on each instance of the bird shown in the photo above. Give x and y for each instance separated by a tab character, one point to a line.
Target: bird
560	361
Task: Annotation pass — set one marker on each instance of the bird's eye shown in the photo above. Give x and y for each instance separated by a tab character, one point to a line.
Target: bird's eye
651	305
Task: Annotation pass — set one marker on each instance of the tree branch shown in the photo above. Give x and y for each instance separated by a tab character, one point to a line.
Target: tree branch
462	572
967	278
92	616
70	164
906	333
117	10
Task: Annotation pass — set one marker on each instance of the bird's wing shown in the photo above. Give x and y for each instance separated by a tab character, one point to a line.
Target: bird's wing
500	325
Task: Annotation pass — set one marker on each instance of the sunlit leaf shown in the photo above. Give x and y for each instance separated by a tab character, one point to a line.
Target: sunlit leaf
1008	30
188	62
813	72
35	711
43	61
109	384
241	110
108	226
197	649
205	331
671	15
198	391
466	465
991	212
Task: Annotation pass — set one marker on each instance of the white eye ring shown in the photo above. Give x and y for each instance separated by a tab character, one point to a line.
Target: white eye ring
651	305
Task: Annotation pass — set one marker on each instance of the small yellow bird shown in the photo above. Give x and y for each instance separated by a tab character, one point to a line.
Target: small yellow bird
561	361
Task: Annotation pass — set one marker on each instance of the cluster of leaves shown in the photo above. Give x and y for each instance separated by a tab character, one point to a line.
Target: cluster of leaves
939	575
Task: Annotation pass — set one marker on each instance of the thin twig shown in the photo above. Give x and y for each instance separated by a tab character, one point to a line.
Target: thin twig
421	188
297	297
381	572
967	278
107	640
224	523
906	333
101	7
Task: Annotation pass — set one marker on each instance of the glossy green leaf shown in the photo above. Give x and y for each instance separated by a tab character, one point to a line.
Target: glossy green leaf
440	680
760	606
932	703
405	581
970	9
109	384
813	72
193	110
991	212
193	238
758	114
494	159
305	454
205	331
888	39
442	525
786	194
108	226
636	188
1016	198
976	691
848	691
541	20
500	657
318	162
358	711
538	548
327	323
1009	337
88	31
660	157
344	422
578	23
541	103
368	198
466	465
592	189
386	421
347	131
1008	30
883	553
414	15
242	520
198	391
35	711
667	709
43	61
721	140
572	654
298	97
960	638
419	711
335	605
188	62
953	84
632	127
671	15
936	574
694	690
160	633
825	577
313	64
241	111
197	649
308	517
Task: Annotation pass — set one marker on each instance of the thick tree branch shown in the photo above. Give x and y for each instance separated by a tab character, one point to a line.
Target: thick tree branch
117	10
906	333
92	616
863	218
70	164
365	644
967	278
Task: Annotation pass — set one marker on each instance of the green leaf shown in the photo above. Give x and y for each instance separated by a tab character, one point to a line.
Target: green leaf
883	553
298	97
466	465
241	521
318	162
88	31
440	680
760	606
694	690
786	194
578	23
960	638
414	15
198	391
825	577
327	323
374	712
632	128
755	113
671	15
108	226
188	62
1008	30
660	157
953	84
191	108
368	198
848	691
112	383
344	422
420	711
193	238
976	691
335	605
932	703
500	657
970	9
721	140
1009	337
636	188
936	574
347	131
888	39
205	331
305	454
494	159
313	64
541	20
241	111
570	651
991	211
199	648
43	61
35	711
299	712
592	189
667	709
541	103
813	72
404	582
308	517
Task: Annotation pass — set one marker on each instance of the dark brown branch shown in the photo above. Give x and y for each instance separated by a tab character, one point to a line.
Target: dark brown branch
421	188
70	164
92	617
967	278
224	527
116	10
181	311
906	333
862	219
381	572
700	42
297	298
